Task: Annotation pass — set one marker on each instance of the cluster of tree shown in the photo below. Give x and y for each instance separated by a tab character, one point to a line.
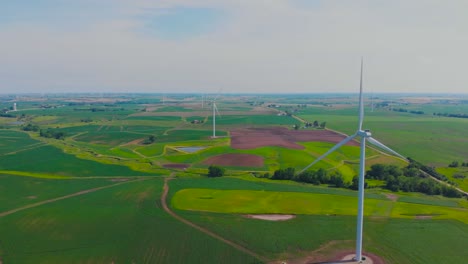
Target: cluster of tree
316	177
451	115
316	124
96	109
30	127
151	139
409	179
429	170
408	111
86	120
7	115
456	164
50	133
215	171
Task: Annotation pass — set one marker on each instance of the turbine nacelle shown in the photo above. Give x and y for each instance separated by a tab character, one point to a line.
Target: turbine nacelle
364	133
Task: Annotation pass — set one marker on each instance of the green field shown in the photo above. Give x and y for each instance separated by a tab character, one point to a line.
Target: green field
122	224
267	202
94	196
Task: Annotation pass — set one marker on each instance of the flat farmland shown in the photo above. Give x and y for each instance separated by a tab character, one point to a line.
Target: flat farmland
121	224
253	120
264	202
13	141
19	191
36	162
434	140
402	241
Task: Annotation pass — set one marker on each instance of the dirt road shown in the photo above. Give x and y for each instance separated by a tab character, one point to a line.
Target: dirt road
201	229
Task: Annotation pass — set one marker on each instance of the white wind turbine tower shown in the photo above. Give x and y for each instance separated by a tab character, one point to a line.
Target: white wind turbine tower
364	135
215	111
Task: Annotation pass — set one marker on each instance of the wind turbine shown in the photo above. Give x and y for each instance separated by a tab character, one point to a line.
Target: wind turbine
215	111
364	135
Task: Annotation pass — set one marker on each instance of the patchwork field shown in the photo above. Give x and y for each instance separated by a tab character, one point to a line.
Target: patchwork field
84	179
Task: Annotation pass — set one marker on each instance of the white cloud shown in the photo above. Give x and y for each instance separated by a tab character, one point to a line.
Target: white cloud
261	46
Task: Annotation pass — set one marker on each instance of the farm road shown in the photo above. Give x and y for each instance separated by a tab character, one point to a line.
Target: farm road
64	197
202	229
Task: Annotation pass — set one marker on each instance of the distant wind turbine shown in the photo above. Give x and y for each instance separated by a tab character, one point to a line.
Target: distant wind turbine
364	135
215	111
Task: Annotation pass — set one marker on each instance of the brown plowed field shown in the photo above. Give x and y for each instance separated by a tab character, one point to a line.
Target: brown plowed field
239	160
250	138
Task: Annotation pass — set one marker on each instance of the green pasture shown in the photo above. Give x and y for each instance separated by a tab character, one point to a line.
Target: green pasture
16	191
155	118
173	108
268	202
12	141
435	140
253	120
177	135
46	161
402	241
460	171
121	224
345	159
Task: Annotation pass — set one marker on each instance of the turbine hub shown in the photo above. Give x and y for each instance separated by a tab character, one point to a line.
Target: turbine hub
364	133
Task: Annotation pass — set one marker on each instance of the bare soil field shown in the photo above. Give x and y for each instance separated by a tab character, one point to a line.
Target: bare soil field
250	138
240	160
271	217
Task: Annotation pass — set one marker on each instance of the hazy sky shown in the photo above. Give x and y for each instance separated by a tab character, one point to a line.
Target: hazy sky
259	46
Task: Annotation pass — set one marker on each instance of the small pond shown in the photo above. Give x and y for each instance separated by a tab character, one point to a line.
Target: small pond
190	149
16	123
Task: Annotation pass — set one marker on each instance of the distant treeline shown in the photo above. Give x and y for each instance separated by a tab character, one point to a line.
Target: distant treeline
408	111
7	115
96	109
408	179
316	177
47	133
451	115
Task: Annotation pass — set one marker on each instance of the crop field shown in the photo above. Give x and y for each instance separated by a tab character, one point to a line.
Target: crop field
266	202
97	193
402	241
404	133
19	191
37	162
254	120
121	224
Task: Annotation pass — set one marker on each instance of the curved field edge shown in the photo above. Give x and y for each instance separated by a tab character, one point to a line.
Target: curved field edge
268	202
123	224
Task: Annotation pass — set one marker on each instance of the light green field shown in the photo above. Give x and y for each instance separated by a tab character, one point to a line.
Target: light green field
450	172
266	202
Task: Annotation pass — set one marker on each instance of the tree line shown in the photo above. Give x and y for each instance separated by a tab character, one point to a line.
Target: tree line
408	179
316	177
47	133
402	110
456	164
451	115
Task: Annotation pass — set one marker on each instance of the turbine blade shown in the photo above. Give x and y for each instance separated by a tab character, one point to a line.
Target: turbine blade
377	143
344	141
361	103
217	112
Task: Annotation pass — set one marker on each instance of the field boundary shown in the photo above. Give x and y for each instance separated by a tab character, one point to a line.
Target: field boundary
202	229
63	197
